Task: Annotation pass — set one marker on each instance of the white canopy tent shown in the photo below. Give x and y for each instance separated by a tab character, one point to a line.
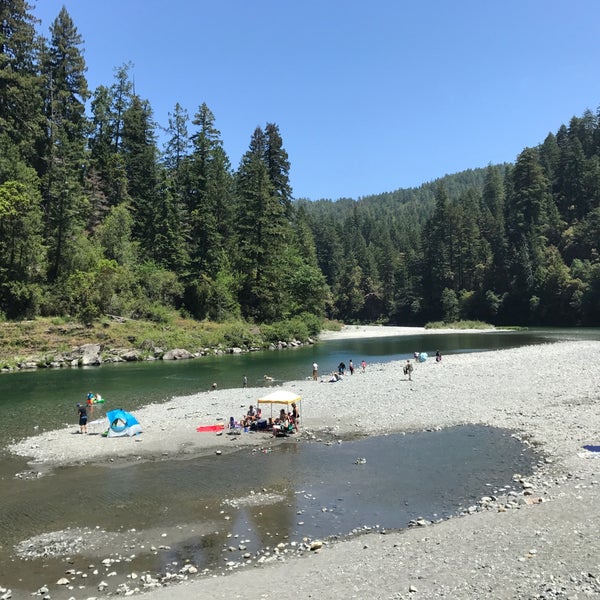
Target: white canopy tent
282	397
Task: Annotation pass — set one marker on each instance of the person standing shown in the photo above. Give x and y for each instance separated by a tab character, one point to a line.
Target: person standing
90	399
294	416
315	371
363	365
408	369
245	382
82	412
351	367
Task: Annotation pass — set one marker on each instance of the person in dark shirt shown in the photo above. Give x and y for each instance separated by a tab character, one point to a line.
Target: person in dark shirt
82	412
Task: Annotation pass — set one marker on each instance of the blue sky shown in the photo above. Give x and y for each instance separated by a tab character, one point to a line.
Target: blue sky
369	96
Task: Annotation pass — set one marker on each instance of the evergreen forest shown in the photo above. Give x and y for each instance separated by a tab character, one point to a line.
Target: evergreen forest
96	218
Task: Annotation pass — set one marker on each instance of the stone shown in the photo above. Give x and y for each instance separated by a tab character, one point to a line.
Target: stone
177	354
90	355
63	581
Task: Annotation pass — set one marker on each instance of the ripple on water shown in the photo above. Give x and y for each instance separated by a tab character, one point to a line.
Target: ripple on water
167	512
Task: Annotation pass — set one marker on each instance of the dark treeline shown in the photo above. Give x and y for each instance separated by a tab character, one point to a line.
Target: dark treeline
95	218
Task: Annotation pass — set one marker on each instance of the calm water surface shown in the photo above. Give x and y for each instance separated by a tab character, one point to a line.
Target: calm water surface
320	490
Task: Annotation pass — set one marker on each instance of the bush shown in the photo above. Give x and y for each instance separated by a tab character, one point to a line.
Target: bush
458	325
238	335
153	311
298	328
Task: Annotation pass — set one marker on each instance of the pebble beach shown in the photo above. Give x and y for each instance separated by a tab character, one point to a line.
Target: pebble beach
543	543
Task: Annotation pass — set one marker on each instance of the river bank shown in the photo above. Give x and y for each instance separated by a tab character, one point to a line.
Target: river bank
56	343
548	394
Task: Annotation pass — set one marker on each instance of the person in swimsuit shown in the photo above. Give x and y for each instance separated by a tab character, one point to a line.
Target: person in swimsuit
294	416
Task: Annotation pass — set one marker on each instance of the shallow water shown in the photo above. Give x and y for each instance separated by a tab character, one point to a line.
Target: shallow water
317	491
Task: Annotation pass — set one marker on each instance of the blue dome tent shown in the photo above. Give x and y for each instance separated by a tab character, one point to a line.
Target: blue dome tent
122	423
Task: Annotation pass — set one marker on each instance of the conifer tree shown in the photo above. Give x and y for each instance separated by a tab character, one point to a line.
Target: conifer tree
262	232
278	167
140	158
21	111
209	195
65	95
437	252
527	218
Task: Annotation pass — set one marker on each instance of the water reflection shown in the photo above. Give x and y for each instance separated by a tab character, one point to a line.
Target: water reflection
207	505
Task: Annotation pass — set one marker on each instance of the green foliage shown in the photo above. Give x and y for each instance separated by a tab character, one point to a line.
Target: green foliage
115	235
238	334
458	325
155	312
301	327
95	220
449	305
159	284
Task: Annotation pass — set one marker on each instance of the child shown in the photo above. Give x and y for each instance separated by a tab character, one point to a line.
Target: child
82	412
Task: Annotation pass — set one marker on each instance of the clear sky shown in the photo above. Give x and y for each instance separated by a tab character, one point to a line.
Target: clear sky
369	96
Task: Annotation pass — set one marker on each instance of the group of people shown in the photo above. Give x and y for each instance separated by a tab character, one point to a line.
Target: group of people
341	370
408	367
247	421
286	422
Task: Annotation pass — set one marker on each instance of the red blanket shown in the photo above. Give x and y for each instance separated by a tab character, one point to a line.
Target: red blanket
217	427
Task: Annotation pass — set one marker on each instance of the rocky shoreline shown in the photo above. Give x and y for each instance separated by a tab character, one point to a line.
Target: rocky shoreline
94	355
538	541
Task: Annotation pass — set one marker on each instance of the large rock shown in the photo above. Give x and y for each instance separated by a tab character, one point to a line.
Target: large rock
131	355
177	354
90	355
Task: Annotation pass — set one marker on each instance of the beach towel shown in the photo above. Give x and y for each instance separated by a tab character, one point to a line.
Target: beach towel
217	427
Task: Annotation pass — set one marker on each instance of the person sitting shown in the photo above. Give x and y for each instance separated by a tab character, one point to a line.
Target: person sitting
251	416
282	423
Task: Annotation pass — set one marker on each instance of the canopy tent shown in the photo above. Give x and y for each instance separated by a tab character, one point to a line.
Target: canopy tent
281	397
122	423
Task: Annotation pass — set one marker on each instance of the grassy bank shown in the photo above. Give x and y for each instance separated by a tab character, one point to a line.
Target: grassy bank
37	339
458	325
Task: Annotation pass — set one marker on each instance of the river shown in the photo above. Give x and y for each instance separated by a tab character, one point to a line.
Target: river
45	399
205	509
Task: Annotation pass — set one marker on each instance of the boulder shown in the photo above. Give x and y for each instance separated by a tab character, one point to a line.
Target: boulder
90	355
177	354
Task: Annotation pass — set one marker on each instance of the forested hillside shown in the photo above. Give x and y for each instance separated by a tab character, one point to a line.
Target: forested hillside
96	218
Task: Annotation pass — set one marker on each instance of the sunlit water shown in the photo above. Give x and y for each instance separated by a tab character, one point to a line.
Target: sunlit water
319	490
316	490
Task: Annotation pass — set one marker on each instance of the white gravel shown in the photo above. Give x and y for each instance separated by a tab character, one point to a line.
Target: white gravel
551	549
